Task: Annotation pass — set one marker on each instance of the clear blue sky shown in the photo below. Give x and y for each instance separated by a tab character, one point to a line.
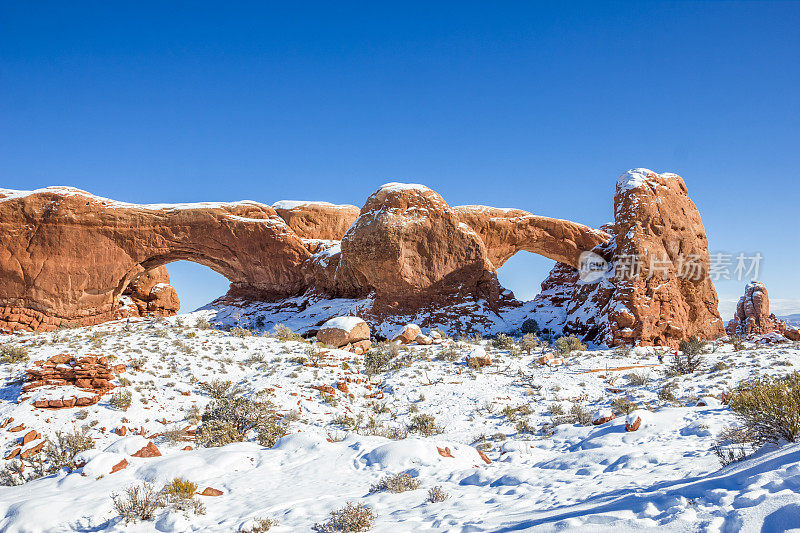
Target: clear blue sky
536	106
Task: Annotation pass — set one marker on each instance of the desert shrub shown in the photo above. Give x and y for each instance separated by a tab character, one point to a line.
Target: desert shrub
690	360
352	518
437	494
449	354
556	409
137	502
260	525
623	405
579	415
60	452
283	333
215	433
530	326
180	488
638	379
120	400
378	358
239	331
529	342
175	436
623	350
667	392
502	341
424	425
137	363
566	345
315	355
719	366
220	388
769	408
228	419
202	323
523	426
13	354
732	445
396	483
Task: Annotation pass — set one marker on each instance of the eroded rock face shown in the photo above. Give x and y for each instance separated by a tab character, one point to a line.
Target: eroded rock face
317	220
753	317
151	292
407	241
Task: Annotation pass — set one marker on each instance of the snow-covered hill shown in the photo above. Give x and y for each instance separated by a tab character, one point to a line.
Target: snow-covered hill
544	469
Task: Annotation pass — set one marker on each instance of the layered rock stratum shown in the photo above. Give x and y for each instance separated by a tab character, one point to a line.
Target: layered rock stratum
68	257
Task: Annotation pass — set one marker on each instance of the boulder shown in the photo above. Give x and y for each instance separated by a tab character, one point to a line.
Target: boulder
210	491
633	421
601	416
150	450
478	357
407	334
343	330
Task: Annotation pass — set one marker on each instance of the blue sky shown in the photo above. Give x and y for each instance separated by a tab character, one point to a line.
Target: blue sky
532	105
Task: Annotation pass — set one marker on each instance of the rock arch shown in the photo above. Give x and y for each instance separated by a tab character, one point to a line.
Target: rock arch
67	256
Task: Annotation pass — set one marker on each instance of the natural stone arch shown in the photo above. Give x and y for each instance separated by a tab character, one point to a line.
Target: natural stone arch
66	256
507	231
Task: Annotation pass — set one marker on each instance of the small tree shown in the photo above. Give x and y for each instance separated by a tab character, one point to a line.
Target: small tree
566	345
689	358
530	326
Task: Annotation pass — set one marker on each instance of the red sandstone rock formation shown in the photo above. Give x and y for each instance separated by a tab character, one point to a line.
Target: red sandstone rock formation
753	317
91	374
408	241
657	290
151	292
69	257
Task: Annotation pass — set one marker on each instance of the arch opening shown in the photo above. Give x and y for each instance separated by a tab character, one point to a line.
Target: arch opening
523	274
196	284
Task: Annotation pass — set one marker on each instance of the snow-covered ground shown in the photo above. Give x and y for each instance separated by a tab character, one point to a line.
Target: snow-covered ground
543	475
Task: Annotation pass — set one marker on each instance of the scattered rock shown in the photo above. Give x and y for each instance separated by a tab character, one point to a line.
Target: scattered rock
344	330
119	466
478	357
602	416
407	334
632	421
211	491
148	451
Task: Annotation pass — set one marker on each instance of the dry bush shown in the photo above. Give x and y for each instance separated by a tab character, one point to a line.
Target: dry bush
732	445
352	518
378	358
228	420
283	333
179	494
202	323
120	400
396	483
623	405
449	354
315	355
566	345
769	408
502	341
13	354
529	342
579	415
637	379
424	425
437	494
260	525
220	388
137	502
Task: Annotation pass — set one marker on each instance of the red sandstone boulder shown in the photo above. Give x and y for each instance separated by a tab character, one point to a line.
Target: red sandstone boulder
407	334
602	416
633	421
211	491
343	330
148	451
